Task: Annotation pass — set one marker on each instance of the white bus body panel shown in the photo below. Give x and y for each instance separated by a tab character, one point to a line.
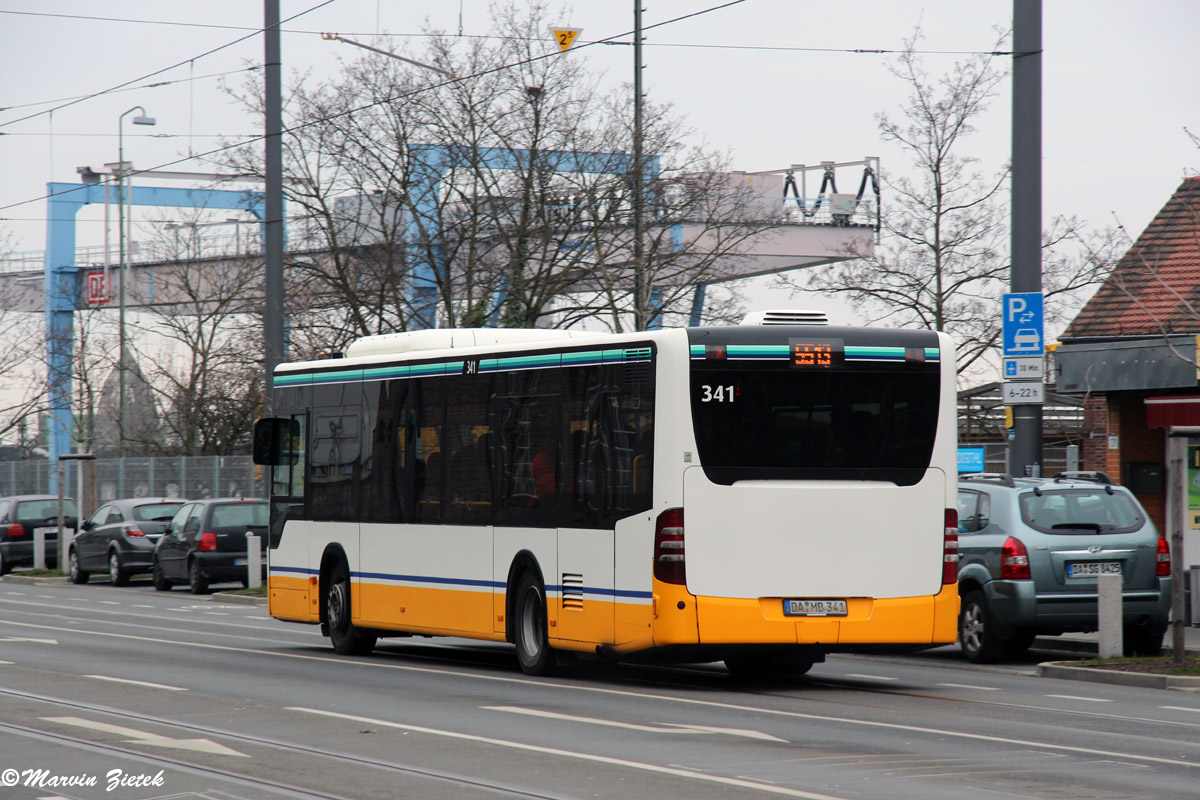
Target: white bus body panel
411	558
834	539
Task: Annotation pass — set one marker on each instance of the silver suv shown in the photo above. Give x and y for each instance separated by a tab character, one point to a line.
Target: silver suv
1030	551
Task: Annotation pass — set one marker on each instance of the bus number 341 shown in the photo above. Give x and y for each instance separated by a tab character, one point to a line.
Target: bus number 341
719	394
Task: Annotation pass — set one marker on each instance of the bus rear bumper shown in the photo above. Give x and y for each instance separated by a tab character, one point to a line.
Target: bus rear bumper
925	620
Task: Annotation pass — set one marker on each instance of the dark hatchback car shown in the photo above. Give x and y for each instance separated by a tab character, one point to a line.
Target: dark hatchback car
206	543
120	538
20	517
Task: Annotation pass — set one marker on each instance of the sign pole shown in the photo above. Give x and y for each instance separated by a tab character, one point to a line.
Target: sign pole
1026	275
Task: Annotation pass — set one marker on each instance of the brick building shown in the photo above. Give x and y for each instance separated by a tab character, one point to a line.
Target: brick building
1132	352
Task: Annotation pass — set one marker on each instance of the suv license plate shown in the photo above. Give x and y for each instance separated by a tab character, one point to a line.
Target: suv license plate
239	562
814	608
1090	569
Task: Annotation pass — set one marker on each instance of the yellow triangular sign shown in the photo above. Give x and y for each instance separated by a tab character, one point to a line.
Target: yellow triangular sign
565	37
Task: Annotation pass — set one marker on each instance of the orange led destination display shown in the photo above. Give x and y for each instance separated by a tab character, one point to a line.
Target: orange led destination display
815	352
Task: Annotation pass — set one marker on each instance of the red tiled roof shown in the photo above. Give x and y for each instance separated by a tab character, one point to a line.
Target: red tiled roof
1155	287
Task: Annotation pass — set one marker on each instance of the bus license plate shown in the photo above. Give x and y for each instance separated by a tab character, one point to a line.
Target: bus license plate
1090	569
814	608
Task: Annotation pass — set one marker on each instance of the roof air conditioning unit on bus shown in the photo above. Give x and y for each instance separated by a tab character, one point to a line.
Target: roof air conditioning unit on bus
785	318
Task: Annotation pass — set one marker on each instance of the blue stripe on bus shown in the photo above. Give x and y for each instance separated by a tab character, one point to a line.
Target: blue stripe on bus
383	576
587	590
297	570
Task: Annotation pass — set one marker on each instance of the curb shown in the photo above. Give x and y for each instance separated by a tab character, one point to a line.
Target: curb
1052	669
237	599
1092	648
35	580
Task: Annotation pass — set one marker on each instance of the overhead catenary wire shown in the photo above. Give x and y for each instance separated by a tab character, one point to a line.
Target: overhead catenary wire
376	103
460	34
159	71
155	85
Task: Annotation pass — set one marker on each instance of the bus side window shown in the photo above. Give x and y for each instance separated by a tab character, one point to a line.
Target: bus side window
429	432
288	477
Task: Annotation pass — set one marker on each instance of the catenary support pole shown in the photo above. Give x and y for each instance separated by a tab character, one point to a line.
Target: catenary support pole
1027	203
273	227
641	299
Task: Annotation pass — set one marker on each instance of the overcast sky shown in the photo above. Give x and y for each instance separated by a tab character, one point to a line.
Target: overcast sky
756	78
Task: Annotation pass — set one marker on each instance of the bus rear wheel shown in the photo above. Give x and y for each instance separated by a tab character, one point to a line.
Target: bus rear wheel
530	636
346	638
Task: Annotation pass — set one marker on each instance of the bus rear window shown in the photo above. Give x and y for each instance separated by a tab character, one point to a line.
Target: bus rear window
763	422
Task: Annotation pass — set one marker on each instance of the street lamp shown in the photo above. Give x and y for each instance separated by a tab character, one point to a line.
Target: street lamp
122	171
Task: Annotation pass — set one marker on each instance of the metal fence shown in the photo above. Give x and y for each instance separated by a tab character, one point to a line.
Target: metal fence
191	477
995	457
197	477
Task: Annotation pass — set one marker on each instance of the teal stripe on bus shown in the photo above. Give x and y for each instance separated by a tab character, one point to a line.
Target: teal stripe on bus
875	353
341	376
456	367
520	362
379	373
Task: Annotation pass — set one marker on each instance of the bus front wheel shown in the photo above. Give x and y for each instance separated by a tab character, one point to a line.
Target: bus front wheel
346	639
533	646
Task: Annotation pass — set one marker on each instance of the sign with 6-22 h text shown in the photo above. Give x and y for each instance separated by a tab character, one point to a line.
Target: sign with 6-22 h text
1023	393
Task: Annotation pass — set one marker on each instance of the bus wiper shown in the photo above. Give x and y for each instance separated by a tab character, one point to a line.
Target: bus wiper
1091	526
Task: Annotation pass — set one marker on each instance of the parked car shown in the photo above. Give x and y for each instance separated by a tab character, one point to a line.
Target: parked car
1031	551
205	543
120	538
21	516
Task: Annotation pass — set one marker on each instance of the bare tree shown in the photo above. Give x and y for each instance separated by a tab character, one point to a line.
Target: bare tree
206	368
501	196
942	259
22	359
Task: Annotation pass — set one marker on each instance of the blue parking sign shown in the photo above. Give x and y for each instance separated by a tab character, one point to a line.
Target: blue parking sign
1021	324
970	459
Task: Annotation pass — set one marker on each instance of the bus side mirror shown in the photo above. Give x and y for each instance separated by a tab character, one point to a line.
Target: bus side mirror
275	441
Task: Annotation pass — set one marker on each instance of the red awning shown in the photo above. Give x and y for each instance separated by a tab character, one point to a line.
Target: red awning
1166	412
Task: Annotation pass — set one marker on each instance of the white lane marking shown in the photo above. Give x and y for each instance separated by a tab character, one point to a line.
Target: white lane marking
618	762
142	737
938	732
36	641
970	686
19	594
136	683
48	596
216	613
671	727
1075	697
109	603
1181	708
870	677
6	663
141	605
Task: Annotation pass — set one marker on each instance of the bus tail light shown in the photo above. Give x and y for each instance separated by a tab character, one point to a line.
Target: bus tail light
133	530
208	542
1162	562
950	548
669	564
1014	560
15	530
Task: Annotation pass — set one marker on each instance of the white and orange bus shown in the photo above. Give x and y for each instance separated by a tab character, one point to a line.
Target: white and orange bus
761	494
